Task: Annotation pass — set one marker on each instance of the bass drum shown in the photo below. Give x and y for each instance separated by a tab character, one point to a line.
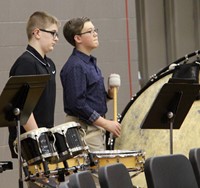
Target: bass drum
156	142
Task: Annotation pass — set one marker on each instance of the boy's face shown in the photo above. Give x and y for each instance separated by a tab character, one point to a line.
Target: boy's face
48	38
89	36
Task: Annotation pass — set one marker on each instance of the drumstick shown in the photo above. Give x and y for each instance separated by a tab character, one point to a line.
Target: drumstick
115	103
114	81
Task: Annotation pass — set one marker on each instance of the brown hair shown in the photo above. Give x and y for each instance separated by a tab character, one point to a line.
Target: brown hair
74	27
40	20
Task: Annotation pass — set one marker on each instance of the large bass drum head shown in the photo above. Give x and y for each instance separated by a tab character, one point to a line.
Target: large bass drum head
153	141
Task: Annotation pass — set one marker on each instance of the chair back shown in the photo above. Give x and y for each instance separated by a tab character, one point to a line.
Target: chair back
81	179
194	157
114	176
169	171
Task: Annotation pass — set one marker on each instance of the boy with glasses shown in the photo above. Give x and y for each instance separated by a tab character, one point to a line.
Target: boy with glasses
84	92
42	33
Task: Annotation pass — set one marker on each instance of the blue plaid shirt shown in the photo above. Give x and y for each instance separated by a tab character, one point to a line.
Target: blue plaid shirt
84	92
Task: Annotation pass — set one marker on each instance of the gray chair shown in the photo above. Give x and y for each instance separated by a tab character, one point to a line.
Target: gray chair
169	171
194	157
82	179
64	185
114	176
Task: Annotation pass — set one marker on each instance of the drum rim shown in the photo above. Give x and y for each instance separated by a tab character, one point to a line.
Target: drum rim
64	127
30	134
165	71
104	152
147	85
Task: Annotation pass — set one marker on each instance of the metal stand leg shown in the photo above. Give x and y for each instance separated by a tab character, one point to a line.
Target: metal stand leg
17	114
171	117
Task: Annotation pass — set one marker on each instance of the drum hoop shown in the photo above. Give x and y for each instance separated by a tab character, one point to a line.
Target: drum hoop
32	133
116	152
62	128
33	160
75	149
64	153
158	76
147	85
118	155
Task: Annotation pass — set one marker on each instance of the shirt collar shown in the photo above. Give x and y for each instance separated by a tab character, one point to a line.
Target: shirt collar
35	52
84	57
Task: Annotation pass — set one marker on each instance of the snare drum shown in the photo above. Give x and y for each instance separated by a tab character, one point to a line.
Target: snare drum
36	146
68	141
133	160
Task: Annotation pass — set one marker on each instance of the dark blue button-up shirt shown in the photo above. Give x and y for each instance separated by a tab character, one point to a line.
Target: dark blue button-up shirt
83	87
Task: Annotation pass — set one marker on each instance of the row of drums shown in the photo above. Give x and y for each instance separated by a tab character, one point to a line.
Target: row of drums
61	149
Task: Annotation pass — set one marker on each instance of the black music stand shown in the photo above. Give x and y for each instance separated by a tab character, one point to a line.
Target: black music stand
170	107
17	101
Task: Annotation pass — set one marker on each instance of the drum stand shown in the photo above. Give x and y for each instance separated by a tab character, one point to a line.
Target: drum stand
170	107
17	101
5	165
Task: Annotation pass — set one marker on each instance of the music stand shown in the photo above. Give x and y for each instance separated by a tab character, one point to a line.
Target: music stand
17	101
170	107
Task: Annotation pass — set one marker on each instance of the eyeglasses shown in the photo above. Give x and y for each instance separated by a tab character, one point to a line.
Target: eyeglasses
53	33
90	32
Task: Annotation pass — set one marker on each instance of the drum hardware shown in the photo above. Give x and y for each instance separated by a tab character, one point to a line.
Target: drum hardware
5	165
91	159
43	182
136	174
68	142
172	65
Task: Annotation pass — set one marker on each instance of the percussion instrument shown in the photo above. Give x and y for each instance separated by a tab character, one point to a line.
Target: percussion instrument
156	141
114	82
133	160
68	141
36	146
73	164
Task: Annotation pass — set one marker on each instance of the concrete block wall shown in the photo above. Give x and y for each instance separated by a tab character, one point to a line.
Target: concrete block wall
108	16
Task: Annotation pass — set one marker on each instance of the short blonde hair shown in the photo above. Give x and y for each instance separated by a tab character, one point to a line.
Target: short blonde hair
40	20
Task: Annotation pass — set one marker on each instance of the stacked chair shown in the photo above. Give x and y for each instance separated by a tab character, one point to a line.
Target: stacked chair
194	157
169	171
82	179
110	176
114	176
